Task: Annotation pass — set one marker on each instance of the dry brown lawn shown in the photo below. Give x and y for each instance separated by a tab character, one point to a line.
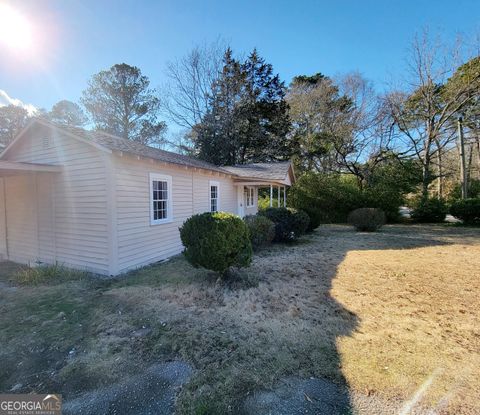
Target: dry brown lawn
393	316
418	320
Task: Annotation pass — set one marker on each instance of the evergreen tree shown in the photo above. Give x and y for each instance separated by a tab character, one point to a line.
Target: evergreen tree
120	101
248	116
12	120
319	114
67	113
217	134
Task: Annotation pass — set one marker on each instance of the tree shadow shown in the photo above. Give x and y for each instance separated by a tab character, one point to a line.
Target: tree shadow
328	392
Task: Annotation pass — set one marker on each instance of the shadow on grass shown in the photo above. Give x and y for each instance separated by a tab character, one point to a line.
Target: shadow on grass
267	349
324	389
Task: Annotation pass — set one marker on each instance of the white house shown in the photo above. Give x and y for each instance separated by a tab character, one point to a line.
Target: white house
93	201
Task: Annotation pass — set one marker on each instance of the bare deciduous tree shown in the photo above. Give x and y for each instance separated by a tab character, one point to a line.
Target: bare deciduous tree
190	80
339	125
424	113
367	139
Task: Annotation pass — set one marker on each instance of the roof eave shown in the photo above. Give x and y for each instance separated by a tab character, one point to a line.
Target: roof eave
179	165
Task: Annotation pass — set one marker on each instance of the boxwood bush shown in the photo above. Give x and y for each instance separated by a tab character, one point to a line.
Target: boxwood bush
467	210
300	221
216	241
367	219
432	210
289	223
261	230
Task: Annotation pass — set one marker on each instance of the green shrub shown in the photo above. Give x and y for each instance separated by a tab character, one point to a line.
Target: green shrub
367	219
316	218
473	190
431	210
326	198
467	210
387	200
289	223
216	241
331	197
264	202
261	230
300	221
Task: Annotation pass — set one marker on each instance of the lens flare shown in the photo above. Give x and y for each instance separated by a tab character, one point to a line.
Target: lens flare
15	30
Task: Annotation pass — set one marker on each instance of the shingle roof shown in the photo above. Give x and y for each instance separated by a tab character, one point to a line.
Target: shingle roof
266	171
269	171
121	144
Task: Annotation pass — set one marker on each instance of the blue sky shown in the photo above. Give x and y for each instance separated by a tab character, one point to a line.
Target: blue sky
77	38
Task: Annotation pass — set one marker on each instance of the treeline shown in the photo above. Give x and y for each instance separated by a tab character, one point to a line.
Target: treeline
234	111
118	101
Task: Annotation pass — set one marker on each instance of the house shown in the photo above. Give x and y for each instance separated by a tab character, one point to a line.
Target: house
93	201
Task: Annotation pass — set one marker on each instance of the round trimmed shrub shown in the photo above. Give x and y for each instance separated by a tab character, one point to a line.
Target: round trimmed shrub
467	210
261	230
300	221
289	223
316	218
216	241
367	219
431	210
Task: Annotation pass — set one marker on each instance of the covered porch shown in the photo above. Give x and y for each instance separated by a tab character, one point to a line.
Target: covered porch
275	177
248	195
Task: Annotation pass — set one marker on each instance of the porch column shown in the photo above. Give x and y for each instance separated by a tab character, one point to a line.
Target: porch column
278	196
271	195
284	196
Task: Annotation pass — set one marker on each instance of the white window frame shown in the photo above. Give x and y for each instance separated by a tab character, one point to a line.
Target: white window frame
162	178
210	184
250	195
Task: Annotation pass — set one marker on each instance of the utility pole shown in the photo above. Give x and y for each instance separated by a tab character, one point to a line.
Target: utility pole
463	170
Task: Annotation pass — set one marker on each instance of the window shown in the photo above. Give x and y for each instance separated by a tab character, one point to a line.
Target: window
160	199
214	196
249	196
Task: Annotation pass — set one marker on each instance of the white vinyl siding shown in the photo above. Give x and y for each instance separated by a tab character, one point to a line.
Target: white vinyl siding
21	210
72	205
140	243
96	214
3	228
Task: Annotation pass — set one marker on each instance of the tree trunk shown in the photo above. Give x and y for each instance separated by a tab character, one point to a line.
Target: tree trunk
427	160
426	165
477	140
440	175
470	162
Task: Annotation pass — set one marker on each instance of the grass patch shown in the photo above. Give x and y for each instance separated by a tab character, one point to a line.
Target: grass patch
174	272
377	312
48	274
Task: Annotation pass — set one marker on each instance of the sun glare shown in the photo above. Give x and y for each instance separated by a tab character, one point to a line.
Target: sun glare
15	29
